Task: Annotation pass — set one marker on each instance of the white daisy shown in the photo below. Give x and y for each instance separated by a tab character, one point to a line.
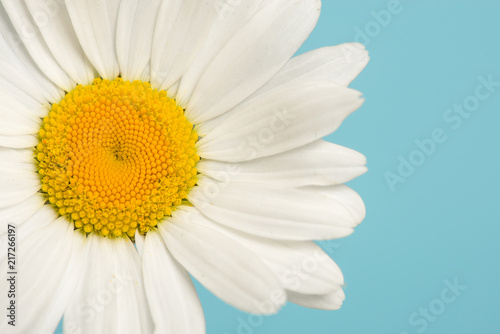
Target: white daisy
185	128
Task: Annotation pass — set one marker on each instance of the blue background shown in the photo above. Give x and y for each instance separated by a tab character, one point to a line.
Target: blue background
440	224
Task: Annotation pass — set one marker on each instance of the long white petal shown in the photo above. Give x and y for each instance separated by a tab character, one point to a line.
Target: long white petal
181	29
23	141
19	213
16	83
331	301
252	56
17	187
172	298
276	212
44	216
110	298
94	22
13	51
49	266
16	156
319	163
231	17
339	64
53	21
345	195
6	166
278	121
224	267
17	118
25	223
134	36
37	47
301	266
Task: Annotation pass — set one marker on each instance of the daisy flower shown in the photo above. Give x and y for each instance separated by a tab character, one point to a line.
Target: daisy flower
142	142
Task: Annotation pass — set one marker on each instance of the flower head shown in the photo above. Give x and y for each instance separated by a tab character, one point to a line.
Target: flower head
143	141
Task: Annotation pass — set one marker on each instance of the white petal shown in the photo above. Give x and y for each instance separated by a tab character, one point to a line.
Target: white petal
254	54
23	141
53	21
18	214
15	83
17	118
277	121
25	223
110	298
172	298
301	266
181	29
339	64
17	187
331	301
13	51
205	128
13	156
343	194
231	16
8	166
30	35
24	228
41	218
275	212
134	36
319	163
146	74
172	90
20	94
49	266
94	22
230	271
139	242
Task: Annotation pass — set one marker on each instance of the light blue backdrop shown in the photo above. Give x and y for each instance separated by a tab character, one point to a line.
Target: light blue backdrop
432	221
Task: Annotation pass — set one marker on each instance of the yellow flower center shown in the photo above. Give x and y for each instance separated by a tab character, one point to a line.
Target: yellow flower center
116	156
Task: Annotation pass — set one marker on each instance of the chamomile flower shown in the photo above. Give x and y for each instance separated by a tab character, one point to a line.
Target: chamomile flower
143	141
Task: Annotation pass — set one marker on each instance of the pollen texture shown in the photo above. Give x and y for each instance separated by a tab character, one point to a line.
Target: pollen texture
116	156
